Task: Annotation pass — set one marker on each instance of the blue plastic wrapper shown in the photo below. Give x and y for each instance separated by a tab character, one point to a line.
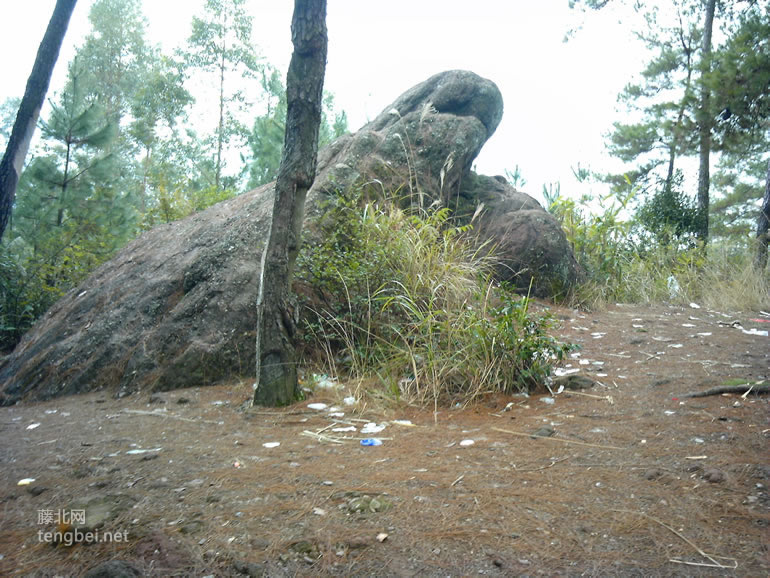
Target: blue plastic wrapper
371	442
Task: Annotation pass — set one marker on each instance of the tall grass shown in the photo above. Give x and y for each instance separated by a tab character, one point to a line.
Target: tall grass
625	264
416	310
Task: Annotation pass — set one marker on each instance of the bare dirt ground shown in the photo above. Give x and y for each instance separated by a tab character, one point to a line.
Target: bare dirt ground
634	480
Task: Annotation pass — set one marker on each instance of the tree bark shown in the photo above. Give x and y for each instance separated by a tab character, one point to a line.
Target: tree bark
29	110
276	359
763	236
705	123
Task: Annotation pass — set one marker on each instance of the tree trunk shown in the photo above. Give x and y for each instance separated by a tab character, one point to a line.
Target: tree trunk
705	123
276	361
763	236
29	111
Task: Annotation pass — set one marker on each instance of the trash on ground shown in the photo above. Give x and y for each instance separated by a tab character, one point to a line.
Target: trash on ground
337	414
350	400
371	442
346	428
548	400
33	425
669	412
694	305
372	427
751	331
673	287
405	422
25	481
324	381
271	444
466	443
135	452
382	536
560	372
598	334
317	406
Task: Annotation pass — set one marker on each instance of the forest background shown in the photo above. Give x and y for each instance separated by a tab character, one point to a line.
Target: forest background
607	107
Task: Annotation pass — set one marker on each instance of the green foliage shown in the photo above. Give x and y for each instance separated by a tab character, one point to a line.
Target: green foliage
740	83
8	110
221	47
419	313
32	278
597	231
69	217
113	57
668	215
266	138
667	100
515	178
627	262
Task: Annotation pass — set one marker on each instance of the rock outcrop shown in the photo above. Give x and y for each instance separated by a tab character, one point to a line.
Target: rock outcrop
176	307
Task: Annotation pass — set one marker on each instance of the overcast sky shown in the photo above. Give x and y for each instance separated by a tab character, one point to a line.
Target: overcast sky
560	99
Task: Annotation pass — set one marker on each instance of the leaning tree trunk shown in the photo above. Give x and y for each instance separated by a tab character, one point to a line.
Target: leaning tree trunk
29	111
276	363
763	235
705	122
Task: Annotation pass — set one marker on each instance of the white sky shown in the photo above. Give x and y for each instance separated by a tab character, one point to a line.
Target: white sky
560	99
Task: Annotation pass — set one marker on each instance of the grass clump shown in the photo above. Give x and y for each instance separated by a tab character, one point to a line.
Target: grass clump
626	263
406	297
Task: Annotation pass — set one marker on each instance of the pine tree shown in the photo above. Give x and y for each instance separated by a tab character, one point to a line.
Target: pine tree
220	45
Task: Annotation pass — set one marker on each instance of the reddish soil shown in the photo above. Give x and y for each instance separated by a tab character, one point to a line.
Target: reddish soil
635	480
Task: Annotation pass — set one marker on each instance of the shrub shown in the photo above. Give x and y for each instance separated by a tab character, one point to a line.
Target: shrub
626	262
406	297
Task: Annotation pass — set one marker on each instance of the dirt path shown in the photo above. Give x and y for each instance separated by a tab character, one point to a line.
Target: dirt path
628	478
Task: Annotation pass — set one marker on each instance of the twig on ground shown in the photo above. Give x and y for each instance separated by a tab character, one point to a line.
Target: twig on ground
552	464
515	433
171	415
322	437
690	542
608	398
756	388
703	564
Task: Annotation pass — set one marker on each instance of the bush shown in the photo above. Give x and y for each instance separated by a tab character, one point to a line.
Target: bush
628	263
419	312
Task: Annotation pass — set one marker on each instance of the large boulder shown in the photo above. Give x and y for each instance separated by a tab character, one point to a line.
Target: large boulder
176	307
